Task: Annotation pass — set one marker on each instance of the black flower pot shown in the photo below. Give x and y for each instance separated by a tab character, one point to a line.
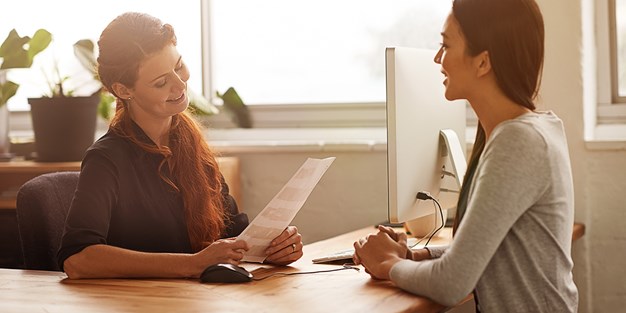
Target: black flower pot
64	127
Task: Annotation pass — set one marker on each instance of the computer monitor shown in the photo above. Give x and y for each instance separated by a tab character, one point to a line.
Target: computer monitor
425	135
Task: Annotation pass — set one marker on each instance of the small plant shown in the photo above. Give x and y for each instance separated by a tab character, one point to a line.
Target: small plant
236	108
84	50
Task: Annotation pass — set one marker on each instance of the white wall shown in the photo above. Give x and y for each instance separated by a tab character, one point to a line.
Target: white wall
568	89
352	194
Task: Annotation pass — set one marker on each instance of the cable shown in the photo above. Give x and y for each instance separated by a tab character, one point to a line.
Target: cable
345	266
440	226
430	233
425	195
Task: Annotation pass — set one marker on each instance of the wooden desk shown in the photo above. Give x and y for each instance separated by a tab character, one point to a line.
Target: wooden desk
342	291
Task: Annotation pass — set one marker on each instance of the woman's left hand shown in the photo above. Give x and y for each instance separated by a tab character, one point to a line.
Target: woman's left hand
286	248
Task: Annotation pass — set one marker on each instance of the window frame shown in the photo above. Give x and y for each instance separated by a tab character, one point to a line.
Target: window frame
611	107
295	115
614	48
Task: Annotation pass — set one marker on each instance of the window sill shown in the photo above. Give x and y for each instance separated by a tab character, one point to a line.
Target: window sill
608	137
273	140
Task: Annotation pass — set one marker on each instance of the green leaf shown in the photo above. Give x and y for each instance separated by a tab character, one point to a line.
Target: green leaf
12	49
105	108
7	90
13	53
237	109
40	41
199	105
84	50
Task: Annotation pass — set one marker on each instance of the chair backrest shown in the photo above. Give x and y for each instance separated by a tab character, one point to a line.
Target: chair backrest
42	206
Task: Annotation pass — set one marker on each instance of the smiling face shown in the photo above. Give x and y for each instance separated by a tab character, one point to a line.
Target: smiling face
161	87
456	64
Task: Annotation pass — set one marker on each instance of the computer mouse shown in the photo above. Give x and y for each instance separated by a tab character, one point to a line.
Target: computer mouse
225	273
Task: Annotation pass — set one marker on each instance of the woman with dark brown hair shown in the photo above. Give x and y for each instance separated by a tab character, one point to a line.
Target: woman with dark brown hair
515	214
151	201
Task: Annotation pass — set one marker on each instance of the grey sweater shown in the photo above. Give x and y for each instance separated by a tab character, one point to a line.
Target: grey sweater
514	242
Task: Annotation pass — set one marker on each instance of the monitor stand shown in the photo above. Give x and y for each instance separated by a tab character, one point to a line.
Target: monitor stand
452	151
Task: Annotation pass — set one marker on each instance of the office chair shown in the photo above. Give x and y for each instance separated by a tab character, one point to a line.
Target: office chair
42	206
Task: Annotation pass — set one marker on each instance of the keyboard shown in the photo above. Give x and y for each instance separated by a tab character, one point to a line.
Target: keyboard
346	255
343	255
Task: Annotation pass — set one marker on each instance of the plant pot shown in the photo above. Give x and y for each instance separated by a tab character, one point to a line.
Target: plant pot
64	127
4	124
5	143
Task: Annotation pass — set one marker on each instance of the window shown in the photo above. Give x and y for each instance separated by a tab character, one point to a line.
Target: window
312	63
70	21
610	43
297	63
618	48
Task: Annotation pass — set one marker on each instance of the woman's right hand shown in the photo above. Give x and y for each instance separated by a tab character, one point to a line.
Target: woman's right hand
220	251
415	255
399	237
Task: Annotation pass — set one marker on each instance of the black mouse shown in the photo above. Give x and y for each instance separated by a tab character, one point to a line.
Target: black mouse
225	273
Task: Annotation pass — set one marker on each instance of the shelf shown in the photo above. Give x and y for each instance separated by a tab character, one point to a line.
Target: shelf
31	167
7	204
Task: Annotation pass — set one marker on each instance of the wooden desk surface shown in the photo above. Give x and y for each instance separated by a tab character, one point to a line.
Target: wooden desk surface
342	291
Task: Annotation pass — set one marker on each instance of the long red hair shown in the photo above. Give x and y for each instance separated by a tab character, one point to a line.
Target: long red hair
188	166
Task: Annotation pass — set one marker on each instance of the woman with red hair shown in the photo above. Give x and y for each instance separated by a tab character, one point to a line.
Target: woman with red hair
151	201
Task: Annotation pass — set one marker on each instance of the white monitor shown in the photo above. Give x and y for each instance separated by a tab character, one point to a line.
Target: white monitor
419	158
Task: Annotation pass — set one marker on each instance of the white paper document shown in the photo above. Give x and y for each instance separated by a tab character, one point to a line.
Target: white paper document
281	210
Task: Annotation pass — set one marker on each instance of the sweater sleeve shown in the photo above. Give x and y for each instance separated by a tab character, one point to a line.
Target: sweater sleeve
436	251
511	176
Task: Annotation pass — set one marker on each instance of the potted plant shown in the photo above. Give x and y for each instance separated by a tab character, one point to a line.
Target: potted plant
16	52
64	123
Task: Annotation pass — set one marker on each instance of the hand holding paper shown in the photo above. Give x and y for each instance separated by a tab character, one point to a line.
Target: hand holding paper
281	210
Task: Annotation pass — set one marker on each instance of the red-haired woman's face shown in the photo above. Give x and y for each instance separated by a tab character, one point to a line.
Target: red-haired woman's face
161	87
456	64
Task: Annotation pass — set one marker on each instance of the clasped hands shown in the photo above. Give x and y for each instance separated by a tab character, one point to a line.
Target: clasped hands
379	252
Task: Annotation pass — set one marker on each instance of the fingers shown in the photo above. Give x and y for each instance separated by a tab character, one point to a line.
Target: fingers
233	244
355	259
228	250
402	238
285	245
357	247
389	231
286	234
286	255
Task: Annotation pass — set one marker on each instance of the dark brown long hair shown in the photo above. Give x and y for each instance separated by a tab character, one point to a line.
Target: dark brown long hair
512	32
190	165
